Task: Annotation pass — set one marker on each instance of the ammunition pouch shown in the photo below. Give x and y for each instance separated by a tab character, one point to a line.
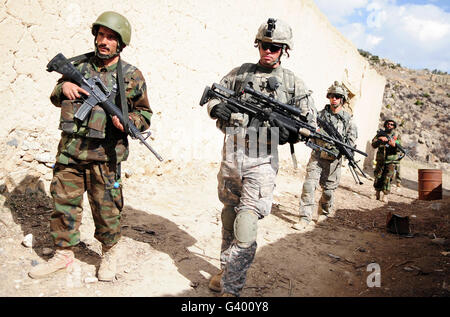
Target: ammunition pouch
325	155
94	126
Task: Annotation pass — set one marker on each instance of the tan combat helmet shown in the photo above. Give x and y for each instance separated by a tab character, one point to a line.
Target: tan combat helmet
390	120
116	22
338	89
275	31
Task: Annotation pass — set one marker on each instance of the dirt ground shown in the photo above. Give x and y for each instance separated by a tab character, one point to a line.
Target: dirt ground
171	241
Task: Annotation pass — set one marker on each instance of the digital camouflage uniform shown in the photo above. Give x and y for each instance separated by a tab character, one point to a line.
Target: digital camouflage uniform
387	159
325	169
88	156
245	181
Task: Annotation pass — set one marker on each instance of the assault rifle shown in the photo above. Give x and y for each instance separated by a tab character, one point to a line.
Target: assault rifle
381	132
98	95
343	151
267	108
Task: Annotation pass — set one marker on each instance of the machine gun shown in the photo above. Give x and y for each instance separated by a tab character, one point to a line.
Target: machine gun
267	108
98	94
381	132
343	151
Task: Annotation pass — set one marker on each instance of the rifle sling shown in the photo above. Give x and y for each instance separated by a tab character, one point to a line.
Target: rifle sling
120	81
123	102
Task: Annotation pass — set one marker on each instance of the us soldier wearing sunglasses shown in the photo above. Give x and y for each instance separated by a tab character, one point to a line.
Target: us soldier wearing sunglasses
323	167
245	181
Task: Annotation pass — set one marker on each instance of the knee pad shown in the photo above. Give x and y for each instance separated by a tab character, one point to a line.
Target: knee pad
327	195
228	215
245	228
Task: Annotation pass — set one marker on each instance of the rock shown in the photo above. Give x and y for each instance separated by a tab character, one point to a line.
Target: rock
47	251
28	158
90	280
28	240
30	145
127	172
44	157
439	241
12	142
436	206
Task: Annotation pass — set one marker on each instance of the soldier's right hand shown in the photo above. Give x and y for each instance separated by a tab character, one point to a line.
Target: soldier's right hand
72	91
383	138
223	111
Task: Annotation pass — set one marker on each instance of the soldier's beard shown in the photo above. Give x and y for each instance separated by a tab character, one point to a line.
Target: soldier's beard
105	56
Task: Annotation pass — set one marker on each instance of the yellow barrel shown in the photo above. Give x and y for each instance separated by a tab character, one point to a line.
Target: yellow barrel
430	184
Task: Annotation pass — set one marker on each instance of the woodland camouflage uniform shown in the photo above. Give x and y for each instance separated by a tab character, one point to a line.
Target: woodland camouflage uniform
88	156
387	160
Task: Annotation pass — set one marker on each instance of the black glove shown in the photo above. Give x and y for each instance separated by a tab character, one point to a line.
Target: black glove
223	111
282	131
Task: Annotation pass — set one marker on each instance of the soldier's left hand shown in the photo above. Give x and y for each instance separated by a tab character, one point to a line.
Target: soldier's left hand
392	142
117	124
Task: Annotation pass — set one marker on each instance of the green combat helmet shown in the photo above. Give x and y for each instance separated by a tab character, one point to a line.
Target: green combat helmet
338	89
116	22
275	31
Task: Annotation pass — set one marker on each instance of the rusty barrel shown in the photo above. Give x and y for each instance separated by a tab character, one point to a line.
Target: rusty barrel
430	184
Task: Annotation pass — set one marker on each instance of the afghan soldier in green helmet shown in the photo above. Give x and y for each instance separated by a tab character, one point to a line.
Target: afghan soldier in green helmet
388	159
246	178
90	152
323	167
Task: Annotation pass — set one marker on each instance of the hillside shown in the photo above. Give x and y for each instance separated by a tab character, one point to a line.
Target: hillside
419	101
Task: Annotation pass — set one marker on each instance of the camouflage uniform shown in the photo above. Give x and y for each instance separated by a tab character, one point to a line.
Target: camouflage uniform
398	177
325	169
89	154
387	159
246	180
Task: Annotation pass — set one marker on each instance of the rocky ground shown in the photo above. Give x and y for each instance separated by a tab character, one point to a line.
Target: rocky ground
171	240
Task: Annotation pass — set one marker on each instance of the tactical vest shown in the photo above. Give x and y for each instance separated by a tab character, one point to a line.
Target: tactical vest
247	71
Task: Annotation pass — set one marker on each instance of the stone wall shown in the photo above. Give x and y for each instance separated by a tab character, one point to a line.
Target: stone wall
180	46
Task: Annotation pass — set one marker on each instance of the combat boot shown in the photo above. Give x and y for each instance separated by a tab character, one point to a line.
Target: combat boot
377	195
215	283
383	197
108	265
303	224
62	260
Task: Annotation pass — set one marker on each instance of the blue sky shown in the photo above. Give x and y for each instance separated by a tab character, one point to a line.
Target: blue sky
414	33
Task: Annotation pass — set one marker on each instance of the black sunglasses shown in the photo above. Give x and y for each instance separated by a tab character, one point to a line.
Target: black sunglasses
272	47
337	96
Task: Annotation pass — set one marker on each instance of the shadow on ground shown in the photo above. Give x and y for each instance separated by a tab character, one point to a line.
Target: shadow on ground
31	208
